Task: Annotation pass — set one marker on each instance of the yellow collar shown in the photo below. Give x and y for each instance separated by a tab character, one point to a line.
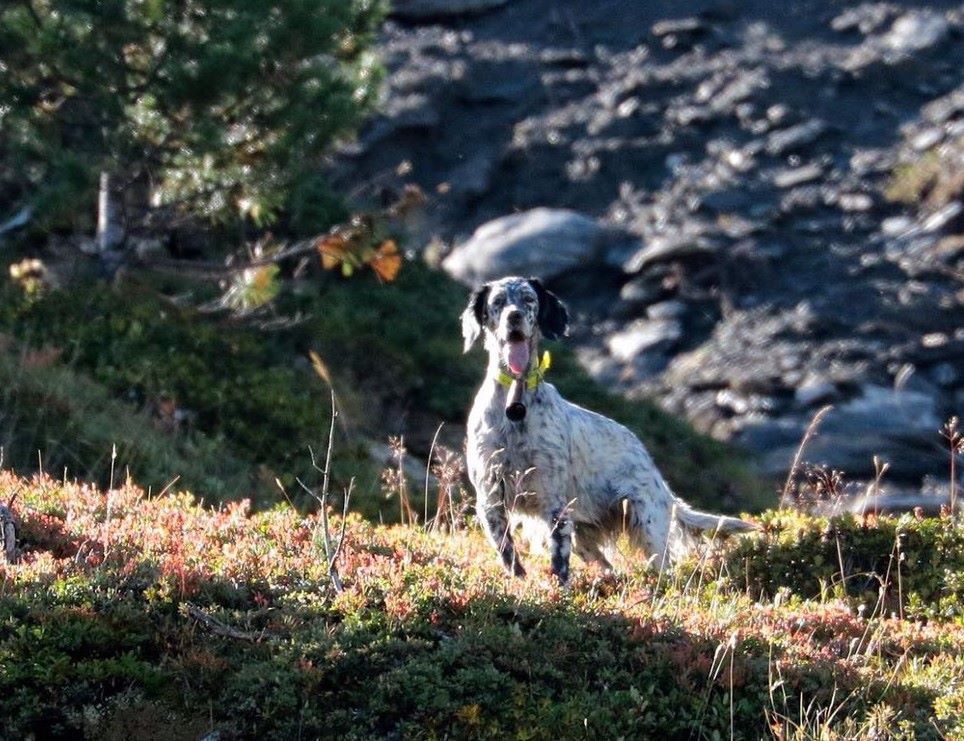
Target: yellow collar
533	377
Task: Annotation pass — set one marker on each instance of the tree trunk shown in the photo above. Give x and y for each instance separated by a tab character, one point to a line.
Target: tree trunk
110	226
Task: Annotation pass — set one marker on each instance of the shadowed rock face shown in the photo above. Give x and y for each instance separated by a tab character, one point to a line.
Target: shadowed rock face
736	163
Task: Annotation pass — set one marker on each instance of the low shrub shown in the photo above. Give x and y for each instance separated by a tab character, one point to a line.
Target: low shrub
134	612
913	565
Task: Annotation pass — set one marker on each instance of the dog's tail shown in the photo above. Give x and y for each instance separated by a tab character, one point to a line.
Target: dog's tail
697	522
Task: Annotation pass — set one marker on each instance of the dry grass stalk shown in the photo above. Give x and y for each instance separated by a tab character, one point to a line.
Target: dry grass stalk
448	471
794	467
955	445
395	482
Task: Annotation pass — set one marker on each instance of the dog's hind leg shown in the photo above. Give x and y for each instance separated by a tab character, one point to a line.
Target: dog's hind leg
587	541
651	528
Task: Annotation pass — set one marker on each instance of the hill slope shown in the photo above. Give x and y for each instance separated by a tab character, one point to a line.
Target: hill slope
234	406
131	616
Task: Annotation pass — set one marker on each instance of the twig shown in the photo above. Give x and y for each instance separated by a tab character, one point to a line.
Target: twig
428	470
169	485
110	489
8	534
332	570
880	468
330	556
19	219
219	628
216	270
810	432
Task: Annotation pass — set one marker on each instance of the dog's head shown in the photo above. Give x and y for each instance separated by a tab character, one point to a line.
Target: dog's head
514	312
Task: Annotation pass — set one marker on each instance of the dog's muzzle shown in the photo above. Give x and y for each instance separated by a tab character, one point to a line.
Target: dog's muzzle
516	352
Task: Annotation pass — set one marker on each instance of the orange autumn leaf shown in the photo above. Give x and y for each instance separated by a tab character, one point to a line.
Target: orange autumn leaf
334	250
387	261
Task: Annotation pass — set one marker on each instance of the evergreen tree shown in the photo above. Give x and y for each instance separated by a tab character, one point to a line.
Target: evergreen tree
217	107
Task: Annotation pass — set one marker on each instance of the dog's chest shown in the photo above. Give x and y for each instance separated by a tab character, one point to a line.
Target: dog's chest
538	442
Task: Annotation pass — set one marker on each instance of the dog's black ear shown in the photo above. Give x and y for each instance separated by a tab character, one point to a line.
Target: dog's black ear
473	318
553	315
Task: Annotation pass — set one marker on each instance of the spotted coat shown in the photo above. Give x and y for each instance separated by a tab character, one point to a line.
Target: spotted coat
584	477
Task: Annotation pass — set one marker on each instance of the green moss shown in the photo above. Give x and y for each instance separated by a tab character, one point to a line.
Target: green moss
57	418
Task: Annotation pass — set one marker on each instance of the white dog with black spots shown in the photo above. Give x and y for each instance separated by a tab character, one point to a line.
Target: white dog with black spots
586	477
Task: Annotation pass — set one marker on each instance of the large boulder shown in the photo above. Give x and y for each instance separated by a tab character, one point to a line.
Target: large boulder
899	426
543	242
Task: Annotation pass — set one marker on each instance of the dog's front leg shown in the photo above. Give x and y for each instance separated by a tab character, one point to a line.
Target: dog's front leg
495	522
560	544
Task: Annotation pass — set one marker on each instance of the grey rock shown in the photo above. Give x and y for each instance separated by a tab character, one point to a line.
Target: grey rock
736	226
668	247
413	111
795	137
599	364
493	85
917	31
418	10
744	404
643	336
815	390
771	194
639	292
864	162
896	225
792	176
944	216
945	374
855	202
666	310
944	108
543	242
880	421
927	138
778	114
691	114
803	198
677	26
563	57
866	17
474	176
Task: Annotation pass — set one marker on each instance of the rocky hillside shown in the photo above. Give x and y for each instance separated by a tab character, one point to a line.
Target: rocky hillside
755	212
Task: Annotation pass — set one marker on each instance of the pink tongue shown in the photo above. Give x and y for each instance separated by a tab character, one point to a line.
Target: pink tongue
517	357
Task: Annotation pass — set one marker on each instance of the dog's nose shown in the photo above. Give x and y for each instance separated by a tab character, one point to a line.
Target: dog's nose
514	316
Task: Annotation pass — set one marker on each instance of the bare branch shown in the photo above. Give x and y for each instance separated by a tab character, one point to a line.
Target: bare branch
219	628
330	555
